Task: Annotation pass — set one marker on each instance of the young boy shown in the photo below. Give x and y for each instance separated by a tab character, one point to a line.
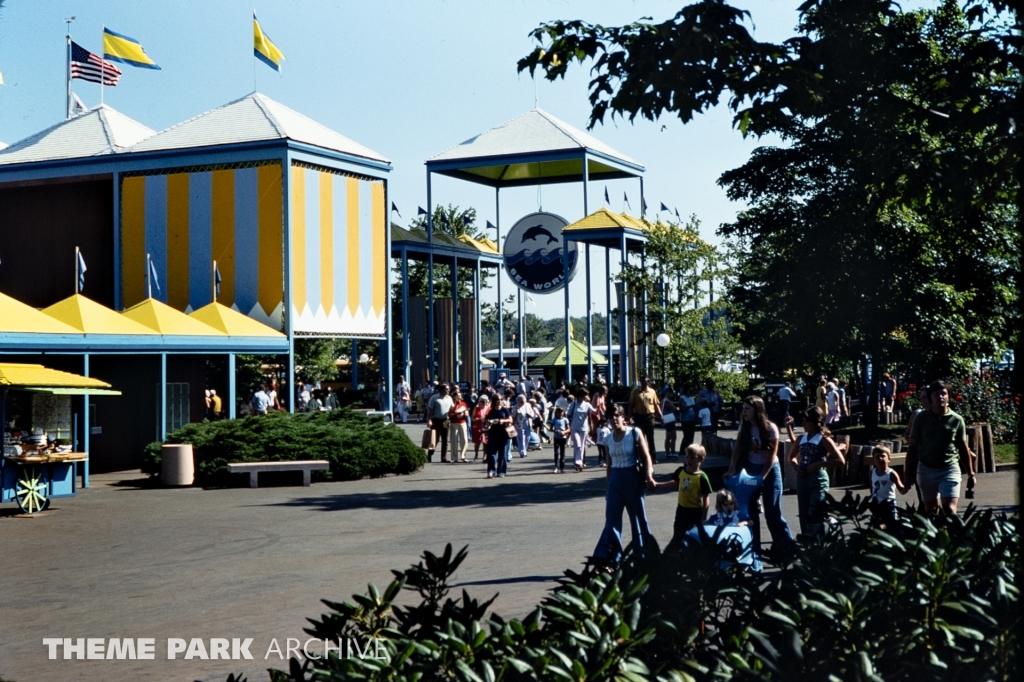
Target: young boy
704	417
694	494
884	483
559	435
603	431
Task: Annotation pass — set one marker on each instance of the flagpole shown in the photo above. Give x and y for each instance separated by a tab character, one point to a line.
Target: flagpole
149	276
213	280
254	52
67	70
103	60
77	276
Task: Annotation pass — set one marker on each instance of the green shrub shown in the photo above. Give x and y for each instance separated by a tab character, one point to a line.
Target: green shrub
354	444
928	599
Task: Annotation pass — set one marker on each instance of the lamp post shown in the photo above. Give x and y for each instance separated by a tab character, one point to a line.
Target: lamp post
663	340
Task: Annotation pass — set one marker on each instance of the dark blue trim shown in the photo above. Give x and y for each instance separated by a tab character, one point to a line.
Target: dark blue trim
263	58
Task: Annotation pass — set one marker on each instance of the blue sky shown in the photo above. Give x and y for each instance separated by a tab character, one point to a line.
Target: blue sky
406	78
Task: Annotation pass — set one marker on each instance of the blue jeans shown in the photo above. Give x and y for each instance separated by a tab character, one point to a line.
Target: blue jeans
523	439
625	492
811	491
497	457
771	494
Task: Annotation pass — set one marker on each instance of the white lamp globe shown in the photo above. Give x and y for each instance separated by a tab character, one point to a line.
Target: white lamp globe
364	358
663	339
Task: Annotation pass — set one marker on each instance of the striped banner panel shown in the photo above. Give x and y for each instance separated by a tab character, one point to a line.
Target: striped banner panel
187	220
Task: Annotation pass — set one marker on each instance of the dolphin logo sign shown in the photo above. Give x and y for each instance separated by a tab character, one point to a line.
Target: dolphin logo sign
536	232
534	255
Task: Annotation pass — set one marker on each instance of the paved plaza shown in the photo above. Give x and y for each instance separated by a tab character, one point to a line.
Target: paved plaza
125	560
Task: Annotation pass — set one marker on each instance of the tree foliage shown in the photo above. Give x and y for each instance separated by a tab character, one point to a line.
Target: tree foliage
678	273
885	222
454	222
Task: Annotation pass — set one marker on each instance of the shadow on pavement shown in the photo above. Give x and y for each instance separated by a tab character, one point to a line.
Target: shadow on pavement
507	581
500	494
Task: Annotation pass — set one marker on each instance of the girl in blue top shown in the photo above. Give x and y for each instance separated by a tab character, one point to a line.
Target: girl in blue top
560	434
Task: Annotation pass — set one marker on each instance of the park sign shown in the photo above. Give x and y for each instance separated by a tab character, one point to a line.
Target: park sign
533	253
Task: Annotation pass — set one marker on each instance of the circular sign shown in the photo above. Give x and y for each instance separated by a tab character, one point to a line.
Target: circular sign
533	253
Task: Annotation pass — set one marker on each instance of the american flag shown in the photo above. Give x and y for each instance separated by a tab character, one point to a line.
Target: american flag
91	67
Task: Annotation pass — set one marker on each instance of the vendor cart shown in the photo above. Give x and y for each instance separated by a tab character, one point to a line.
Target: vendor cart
32	480
35	467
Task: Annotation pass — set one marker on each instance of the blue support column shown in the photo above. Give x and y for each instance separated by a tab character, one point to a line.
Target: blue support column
355	364
387	345
456	361
163	397
87	427
289	323
406	359
501	268
590	322
291	375
610	377
475	362
117	245
623	331
430	282
521	329
232	391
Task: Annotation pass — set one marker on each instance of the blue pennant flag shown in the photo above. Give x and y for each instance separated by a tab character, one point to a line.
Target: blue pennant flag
625	197
81	271
153	279
677	215
606	199
491	226
395	209
664	207
420	211
643	205
216	281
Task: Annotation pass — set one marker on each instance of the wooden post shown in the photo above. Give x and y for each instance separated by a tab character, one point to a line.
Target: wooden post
854	455
989	457
973	440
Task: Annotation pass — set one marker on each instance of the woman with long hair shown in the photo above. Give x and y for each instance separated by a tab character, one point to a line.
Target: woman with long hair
756	452
811	456
626	486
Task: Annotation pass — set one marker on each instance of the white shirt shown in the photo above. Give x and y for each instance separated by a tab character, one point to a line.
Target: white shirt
578	414
623	453
882	487
602	434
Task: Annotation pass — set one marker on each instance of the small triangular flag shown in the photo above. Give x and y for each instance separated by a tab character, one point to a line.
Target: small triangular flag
420	211
395	209
625	198
491	226
606	199
664	207
81	271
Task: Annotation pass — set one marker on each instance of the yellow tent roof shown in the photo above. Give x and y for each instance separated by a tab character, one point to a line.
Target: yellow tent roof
89	316
16	317
604	218
17	374
233	323
166	320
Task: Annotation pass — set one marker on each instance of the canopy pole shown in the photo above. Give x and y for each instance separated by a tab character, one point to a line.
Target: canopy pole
430	282
475	363
355	364
590	315
501	268
163	397
455	320
608	312
623	332
232	390
406	361
387	345
87	427
521	327
645	356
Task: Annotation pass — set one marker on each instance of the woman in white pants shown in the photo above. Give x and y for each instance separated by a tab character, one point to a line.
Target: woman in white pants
458	419
579	418
523	414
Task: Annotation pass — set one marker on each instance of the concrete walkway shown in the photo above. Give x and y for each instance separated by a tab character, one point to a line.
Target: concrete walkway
125	560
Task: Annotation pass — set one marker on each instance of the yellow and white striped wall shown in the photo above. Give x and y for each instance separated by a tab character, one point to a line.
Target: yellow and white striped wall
188	220
338	257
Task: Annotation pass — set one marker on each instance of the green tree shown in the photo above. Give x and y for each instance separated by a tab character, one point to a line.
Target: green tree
450	221
678	271
885	223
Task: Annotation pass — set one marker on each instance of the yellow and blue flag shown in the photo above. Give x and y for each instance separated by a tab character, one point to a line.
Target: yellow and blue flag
119	48
264	49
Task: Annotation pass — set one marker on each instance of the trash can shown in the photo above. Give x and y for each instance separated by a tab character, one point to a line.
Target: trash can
176	464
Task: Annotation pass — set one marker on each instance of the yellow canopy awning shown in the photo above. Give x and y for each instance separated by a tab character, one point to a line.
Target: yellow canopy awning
232	323
18	318
23	375
89	316
164	319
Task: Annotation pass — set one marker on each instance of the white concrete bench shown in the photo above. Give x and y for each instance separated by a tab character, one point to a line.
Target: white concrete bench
254	469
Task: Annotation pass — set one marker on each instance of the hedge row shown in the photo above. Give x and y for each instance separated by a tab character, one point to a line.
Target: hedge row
355	445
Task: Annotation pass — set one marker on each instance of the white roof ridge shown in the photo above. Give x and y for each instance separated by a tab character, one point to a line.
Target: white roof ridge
259	98
197	116
42	133
561	126
105	125
470	139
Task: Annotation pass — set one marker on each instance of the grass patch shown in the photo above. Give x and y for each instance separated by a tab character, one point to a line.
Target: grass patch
1005	453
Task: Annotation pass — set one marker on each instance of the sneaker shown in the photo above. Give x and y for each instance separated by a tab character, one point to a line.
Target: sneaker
501	475
490	474
555	471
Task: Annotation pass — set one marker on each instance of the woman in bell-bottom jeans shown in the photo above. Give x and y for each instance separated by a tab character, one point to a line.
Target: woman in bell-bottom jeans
626	488
756	451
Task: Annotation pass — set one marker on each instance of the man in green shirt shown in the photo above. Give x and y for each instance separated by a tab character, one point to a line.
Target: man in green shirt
937	454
